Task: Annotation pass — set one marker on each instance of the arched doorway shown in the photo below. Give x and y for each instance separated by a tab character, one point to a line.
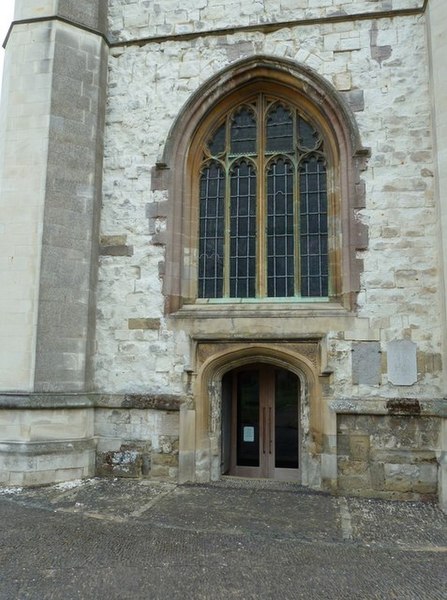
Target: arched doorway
261	422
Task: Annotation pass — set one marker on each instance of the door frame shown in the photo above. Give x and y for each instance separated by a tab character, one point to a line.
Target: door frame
200	414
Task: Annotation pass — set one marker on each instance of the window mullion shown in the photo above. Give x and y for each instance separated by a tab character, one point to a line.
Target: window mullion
261	204
227	209
296	207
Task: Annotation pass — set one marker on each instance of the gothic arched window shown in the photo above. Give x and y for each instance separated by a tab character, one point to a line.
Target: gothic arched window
263	206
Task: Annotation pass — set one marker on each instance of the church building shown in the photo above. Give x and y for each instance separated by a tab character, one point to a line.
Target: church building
223	243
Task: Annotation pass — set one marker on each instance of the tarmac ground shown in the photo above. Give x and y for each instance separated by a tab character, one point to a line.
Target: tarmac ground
245	539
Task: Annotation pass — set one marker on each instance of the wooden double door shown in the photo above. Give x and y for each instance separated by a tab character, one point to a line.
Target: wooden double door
261	423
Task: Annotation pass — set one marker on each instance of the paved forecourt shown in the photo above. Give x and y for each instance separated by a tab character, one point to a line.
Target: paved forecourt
119	539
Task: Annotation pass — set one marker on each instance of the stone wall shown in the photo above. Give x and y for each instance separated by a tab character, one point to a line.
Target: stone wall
392	457
137	443
61	332
130	19
51	135
436	28
380	68
45	443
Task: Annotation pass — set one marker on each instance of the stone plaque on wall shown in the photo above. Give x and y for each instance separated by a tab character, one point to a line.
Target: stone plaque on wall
402	364
366	360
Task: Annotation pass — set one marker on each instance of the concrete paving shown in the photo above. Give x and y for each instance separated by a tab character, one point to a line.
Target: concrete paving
123	539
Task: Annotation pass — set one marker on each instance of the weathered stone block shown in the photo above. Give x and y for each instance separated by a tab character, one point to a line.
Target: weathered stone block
131	460
355	99
396	456
377	473
166	460
359	447
160	472
113	240
153	324
116	251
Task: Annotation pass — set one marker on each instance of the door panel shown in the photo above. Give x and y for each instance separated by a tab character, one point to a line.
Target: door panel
265	422
248	419
286	420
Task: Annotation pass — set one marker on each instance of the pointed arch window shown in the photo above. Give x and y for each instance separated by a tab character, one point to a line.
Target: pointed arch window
263	207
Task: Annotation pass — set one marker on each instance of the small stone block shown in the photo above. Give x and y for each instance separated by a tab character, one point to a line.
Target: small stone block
116	251
342	81
355	99
113	240
153	324
359	447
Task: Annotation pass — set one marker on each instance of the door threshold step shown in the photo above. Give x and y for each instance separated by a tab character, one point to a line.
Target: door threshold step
230	481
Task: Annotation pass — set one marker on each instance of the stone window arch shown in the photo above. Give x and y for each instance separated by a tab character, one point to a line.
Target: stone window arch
203	148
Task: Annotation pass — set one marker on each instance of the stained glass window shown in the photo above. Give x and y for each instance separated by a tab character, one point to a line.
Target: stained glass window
263	229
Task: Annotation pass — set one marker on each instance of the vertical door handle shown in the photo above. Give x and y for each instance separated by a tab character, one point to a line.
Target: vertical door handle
270	430
263	430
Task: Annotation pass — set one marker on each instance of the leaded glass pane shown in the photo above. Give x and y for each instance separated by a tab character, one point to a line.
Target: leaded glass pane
211	231
216	144
243	231
243	132
293	232
308	136
279	130
313	227
280	231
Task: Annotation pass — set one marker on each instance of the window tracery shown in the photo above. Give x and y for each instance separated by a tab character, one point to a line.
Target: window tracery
263	210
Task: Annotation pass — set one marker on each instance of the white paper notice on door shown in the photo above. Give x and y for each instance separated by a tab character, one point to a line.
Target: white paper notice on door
249	434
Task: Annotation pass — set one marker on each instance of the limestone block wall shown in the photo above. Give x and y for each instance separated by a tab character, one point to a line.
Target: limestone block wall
45	444
23	158
53	106
136	442
436	29
51	170
63	329
389	456
154	18
380	67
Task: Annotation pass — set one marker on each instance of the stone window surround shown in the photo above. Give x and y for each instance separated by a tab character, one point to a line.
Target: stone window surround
315	96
